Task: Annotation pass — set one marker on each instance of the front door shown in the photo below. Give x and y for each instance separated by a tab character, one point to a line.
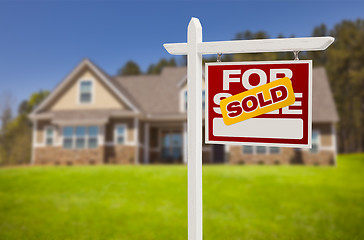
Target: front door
218	153
171	146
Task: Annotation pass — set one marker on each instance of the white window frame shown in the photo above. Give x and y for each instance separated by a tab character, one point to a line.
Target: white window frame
255	152
92	91
242	150
74	137
97	136
203	99
183	103
45	136
124	125
266	150
279	150
318	142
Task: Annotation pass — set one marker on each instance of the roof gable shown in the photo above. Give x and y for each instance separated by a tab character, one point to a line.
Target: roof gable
84	70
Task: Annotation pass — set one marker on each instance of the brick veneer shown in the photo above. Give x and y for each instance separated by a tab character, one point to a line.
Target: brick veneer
323	157
120	154
61	156
286	156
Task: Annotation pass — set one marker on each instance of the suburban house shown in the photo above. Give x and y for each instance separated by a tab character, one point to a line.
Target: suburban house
94	118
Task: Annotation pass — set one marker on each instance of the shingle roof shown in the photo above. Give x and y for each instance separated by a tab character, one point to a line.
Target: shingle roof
93	116
154	94
159	94
323	105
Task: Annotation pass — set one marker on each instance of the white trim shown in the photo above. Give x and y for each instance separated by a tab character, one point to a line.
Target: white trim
184	144
182	100
319	147
126	133
254	46
254	148
45	135
81	80
146	142
184	79
136	139
70	77
74	137
34	141
182	103
309	122
333	142
101	135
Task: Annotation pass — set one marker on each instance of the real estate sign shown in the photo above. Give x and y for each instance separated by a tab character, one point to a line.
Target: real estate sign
239	95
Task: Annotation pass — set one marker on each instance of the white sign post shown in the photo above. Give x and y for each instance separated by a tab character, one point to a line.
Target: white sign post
194	48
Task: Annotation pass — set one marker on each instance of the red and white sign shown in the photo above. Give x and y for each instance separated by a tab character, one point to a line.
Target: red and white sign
288	127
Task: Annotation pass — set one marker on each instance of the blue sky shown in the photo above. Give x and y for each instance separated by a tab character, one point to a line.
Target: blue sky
41	42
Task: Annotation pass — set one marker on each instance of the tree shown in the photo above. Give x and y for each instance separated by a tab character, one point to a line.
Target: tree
6	102
157	68
130	68
319	57
15	140
345	61
248	35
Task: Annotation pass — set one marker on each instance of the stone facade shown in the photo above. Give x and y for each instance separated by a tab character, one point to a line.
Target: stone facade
100	155
127	154
59	156
323	157
120	154
286	156
236	156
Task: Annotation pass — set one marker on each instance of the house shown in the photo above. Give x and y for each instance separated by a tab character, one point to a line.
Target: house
94	118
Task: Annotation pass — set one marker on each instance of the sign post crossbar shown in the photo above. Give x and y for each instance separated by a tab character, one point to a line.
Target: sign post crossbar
195	48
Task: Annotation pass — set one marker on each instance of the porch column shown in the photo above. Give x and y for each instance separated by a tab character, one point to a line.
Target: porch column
101	136
146	143
34	139
136	140
184	144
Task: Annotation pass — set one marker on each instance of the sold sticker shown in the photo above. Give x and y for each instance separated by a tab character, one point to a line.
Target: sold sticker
257	101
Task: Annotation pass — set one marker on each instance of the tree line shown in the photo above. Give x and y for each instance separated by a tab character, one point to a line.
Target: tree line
343	61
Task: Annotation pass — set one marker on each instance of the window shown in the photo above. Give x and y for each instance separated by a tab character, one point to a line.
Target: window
120	133
261	149
49	136
185	100
274	150
315	142
93	132
85	91
68	137
203	99
248	149
80	137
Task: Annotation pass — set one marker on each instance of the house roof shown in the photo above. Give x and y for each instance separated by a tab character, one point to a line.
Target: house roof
85	63
323	104
99	116
158	96
154	94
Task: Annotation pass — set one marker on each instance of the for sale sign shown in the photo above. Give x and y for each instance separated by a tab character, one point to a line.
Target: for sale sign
259	103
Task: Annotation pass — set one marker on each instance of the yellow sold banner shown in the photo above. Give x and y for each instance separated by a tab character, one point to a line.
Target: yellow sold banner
257	101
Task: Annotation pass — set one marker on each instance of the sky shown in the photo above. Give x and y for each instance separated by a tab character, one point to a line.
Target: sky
42	41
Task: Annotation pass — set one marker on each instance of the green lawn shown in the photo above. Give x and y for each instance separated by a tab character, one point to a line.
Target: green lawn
150	202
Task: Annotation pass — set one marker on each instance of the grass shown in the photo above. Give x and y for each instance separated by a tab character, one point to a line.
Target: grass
150	202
